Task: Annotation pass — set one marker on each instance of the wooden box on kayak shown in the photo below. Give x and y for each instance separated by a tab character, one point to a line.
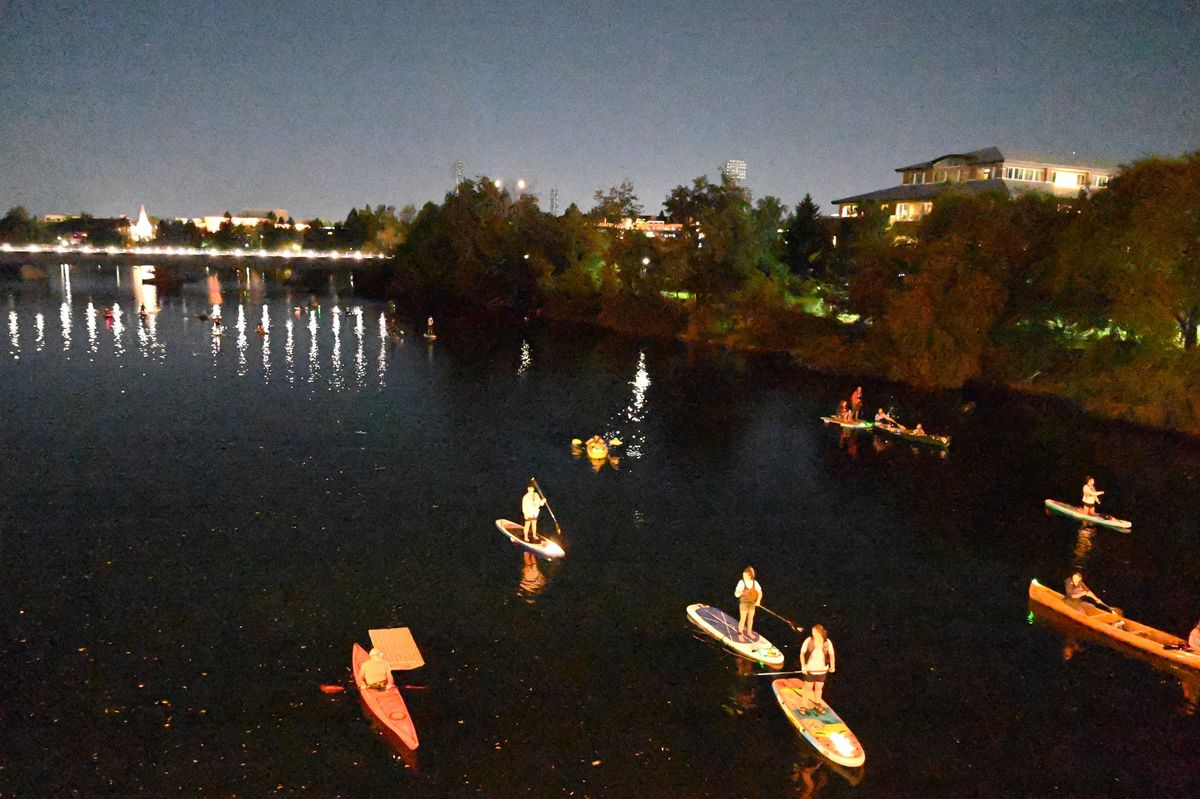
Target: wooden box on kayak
398	647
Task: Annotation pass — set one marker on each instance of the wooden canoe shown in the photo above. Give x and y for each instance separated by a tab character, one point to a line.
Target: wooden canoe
386	706
1131	633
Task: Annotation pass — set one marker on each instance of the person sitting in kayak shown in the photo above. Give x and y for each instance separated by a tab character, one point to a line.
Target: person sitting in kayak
376	672
1194	638
918	430
881	417
749	596
531	506
596	441
856	403
1076	592
817	659
1091	497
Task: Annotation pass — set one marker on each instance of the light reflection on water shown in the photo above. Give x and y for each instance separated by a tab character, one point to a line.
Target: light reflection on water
635	413
14	335
526	358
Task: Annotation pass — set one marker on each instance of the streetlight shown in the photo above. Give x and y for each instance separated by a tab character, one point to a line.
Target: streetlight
498	183
520	185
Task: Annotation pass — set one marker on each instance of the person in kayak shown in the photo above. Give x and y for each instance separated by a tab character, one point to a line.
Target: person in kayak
881	417
1091	497
1194	638
817	659
1076	593
856	403
918	430
749	597
376	672
531	506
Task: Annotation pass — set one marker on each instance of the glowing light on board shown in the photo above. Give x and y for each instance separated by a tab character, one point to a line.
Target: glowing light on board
526	359
842	743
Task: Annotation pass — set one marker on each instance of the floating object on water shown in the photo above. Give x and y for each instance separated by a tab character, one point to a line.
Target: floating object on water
822	728
399	647
1142	637
546	547
909	435
857	424
1076	513
723	627
385	705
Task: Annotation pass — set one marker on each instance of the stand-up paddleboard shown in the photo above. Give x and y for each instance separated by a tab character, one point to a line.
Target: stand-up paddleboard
387	706
860	424
430	337
723	627
546	547
824	729
1076	513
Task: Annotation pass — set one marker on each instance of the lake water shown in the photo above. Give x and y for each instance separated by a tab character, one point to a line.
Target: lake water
194	530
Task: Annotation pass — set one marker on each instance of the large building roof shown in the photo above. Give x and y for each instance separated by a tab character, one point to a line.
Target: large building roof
917	192
995	155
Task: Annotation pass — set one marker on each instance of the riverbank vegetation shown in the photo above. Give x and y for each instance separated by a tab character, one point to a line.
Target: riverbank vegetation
1094	298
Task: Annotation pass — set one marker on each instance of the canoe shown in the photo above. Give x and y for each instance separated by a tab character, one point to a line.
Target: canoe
546	547
386	706
597	451
861	424
1076	513
1131	633
928	439
723	627
824	729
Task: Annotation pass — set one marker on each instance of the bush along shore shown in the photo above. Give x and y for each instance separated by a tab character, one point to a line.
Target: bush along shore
1094	298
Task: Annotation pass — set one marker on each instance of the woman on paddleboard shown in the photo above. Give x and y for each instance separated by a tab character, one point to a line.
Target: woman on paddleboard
1091	497
749	596
817	659
531	506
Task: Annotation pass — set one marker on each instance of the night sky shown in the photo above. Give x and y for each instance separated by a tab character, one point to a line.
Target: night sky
317	107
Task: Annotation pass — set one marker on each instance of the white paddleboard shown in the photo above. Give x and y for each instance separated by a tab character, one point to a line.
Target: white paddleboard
723	627
1076	513
546	547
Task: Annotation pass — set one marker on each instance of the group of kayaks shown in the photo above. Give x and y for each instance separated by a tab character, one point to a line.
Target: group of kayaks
816	721
895	431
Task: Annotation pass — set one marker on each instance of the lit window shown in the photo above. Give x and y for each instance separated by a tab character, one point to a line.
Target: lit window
1024	173
1100	180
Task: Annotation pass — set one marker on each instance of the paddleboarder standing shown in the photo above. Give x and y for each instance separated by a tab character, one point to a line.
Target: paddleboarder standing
749	597
429	328
1091	497
817	659
856	403
531	506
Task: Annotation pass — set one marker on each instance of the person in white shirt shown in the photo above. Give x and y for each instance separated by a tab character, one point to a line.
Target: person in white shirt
1194	638
749	597
531	506
817	659
1091	497
376	672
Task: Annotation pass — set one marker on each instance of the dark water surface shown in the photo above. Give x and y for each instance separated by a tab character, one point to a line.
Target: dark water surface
193	532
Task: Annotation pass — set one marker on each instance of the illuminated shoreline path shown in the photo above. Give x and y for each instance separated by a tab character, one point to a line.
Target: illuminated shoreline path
330	255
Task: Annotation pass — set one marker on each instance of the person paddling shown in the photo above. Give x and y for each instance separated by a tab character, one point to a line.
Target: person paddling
1076	593
531	506
1091	497
749	597
429	327
881	417
376	672
817	659
856	403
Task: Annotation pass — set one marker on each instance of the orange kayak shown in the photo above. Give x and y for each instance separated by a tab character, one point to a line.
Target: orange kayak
387	706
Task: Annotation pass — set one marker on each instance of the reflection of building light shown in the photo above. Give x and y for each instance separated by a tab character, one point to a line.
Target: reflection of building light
14	335
383	336
360	360
91	326
118	327
336	359
312	346
241	339
39	326
635	411
289	351
64	318
526	358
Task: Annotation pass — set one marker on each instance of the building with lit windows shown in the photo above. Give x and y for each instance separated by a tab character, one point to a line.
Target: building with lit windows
980	171
735	170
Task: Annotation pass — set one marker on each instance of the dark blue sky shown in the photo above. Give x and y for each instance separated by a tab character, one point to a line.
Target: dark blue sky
317	107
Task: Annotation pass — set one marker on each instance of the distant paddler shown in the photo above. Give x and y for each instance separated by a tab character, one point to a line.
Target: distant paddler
597	447
429	334
1091	497
881	417
262	331
531	506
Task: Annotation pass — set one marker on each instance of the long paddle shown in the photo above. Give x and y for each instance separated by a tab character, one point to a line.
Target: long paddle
788	622
557	526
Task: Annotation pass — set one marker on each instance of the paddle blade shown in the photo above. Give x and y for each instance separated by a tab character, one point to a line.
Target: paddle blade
614	442
332	689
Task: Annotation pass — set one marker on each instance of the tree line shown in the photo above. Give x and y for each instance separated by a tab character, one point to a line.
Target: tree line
1094	297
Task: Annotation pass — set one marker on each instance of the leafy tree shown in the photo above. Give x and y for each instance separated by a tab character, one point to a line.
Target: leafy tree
617	202
18	227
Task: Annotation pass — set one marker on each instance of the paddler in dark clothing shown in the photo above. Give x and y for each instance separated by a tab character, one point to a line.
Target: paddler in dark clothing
1076	593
